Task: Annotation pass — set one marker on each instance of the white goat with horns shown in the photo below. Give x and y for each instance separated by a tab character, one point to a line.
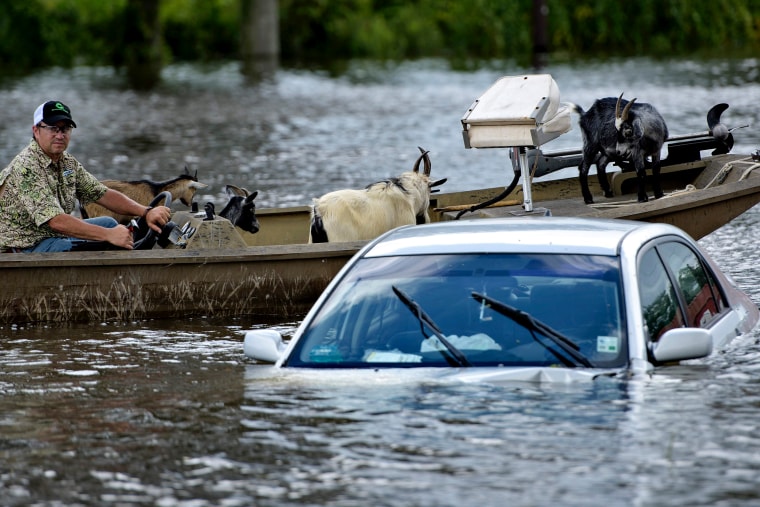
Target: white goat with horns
355	215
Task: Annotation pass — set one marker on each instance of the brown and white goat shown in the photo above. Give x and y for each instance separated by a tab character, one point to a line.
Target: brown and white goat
354	215
182	188
609	134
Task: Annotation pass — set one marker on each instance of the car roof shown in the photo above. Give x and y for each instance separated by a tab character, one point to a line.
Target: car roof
514	235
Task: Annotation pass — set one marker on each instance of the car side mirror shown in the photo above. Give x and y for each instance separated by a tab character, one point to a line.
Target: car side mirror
263	345
682	343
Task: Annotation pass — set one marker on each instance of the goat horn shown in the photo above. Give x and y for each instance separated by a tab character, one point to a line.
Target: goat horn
617	106
627	108
193	176
423	156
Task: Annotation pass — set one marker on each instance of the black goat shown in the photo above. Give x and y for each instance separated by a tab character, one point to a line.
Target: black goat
634	134
240	209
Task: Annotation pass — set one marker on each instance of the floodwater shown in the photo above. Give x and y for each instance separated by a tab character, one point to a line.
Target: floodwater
170	413
304	133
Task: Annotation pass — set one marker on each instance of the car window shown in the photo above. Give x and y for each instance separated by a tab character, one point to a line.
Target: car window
659	303
676	289
697	285
364	322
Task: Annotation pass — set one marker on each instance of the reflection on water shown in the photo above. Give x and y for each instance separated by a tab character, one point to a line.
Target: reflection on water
170	413
413	442
301	133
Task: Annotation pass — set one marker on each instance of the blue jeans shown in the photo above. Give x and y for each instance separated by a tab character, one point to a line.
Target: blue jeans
65	244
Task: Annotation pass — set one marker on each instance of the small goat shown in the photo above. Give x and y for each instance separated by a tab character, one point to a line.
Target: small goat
634	134
354	215
182	188
240	209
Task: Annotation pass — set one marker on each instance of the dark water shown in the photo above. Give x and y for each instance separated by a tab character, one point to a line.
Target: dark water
170	413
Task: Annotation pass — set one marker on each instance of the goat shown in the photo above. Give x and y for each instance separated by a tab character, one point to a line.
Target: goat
634	134
182	188
240	209
354	215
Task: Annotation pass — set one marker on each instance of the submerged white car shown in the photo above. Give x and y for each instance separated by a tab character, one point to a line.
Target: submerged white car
534	298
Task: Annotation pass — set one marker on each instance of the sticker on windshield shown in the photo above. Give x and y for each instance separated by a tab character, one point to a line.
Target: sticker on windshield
390	356
608	344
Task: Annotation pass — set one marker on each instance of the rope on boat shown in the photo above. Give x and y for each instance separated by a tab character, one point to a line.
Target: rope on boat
685	190
727	168
748	170
721	175
630	202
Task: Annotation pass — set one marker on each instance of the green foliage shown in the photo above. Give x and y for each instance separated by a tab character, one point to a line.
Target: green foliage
656	27
76	31
321	29
38	33
19	29
201	29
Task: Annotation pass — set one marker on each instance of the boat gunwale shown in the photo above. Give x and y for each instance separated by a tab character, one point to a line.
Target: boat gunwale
687	200
180	256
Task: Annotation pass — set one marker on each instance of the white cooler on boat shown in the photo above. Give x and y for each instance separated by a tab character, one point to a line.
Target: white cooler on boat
516	111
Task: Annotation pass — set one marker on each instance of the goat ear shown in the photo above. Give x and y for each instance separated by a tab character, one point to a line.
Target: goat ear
437	182
197	184
251	197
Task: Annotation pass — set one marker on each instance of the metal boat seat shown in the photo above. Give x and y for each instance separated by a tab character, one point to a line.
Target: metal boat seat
516	111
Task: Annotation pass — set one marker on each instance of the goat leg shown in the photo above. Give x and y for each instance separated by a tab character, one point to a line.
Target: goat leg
583	177
601	174
641	178
657	187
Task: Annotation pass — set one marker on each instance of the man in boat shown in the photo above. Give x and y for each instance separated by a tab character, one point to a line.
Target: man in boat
39	189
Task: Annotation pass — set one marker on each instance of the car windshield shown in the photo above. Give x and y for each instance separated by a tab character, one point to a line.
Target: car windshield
561	310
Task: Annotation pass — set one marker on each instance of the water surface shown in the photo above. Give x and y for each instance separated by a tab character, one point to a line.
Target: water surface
170	413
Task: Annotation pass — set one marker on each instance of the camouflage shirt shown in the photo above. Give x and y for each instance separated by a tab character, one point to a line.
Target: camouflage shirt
34	189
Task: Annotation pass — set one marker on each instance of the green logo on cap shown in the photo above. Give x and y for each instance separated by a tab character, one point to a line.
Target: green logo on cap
60	107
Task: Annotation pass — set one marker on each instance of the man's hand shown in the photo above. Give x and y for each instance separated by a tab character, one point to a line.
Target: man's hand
120	236
158	217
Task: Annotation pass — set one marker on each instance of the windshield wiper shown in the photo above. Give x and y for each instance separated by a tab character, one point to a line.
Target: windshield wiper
534	325
452	354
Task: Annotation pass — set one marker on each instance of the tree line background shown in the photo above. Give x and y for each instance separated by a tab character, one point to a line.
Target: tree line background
43	33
